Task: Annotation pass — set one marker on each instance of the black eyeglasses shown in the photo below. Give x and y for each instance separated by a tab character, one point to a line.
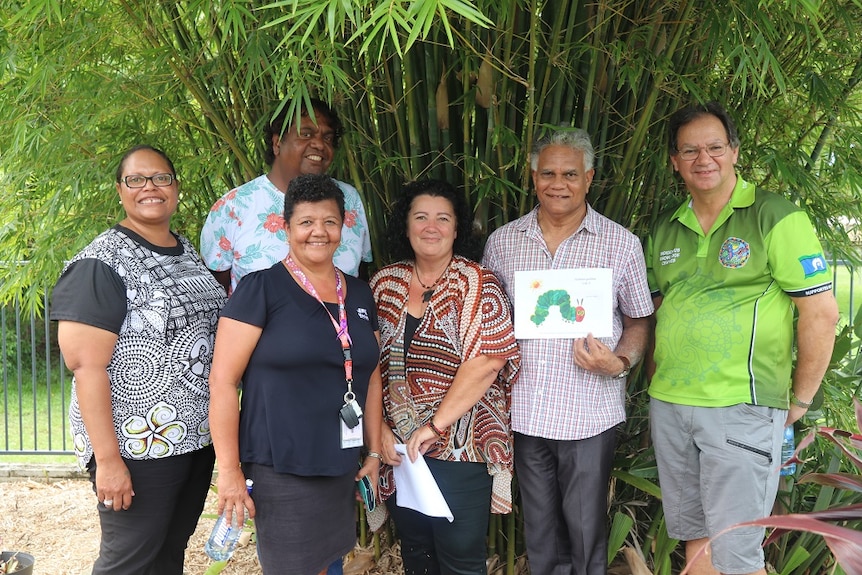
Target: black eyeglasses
714	151
138	181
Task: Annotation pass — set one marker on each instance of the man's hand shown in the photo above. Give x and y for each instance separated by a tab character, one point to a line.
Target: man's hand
592	355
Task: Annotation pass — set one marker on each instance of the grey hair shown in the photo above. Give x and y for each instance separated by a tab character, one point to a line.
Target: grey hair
574	138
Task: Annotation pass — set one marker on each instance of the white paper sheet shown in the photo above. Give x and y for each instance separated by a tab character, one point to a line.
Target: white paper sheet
416	487
564	303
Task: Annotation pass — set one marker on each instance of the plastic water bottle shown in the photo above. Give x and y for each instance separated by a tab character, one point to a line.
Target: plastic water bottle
788	446
223	539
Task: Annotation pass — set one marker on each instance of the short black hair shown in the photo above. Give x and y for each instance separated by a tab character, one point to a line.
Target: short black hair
276	126
138	148
312	188
396	227
694	111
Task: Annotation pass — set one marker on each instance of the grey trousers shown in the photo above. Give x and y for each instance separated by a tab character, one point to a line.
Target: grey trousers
564	495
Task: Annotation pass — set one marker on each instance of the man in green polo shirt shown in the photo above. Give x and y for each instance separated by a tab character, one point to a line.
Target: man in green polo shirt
725	270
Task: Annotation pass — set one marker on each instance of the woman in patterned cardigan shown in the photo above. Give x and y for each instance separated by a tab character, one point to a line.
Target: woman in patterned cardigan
448	361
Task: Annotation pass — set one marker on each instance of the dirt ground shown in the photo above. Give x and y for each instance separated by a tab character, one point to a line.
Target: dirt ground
57	523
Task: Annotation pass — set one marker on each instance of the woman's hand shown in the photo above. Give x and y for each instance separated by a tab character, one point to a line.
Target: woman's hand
371	469
233	497
114	484
471	381
390	456
420	442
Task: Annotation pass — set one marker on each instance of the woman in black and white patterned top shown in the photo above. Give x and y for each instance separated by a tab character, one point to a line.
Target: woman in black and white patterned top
137	313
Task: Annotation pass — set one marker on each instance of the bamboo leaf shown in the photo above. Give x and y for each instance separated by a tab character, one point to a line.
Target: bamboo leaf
621	526
798	556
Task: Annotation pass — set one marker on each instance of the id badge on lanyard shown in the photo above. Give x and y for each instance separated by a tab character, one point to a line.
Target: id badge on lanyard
350	417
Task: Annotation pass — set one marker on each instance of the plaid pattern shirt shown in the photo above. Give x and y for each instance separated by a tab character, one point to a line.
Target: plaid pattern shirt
554	398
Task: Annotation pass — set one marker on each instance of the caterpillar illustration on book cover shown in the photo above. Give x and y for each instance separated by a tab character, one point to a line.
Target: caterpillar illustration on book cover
563	303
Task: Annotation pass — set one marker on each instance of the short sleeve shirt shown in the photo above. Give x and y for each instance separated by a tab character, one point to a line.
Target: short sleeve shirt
724	330
554	398
244	231
294	384
163	304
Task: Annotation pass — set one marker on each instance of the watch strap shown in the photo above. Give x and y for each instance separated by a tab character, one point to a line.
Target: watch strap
627	366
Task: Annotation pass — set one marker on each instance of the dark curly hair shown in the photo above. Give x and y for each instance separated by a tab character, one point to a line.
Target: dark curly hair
312	188
276	126
396	228
122	165
694	111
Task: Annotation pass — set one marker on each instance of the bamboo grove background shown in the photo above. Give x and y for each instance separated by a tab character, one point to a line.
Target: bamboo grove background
450	89
439	88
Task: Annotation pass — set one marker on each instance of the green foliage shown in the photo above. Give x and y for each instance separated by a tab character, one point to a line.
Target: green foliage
446	88
33	394
829	477
216	567
826	513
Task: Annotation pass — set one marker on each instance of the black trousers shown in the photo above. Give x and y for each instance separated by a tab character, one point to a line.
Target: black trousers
432	545
564	496
150	537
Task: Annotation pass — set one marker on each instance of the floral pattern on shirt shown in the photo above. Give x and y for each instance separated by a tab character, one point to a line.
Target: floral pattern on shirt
244	231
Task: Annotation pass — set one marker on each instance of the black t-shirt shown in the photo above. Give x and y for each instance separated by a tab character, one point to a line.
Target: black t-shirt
411	324
294	384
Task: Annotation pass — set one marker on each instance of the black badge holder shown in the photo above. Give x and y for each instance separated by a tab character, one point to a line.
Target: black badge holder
350	411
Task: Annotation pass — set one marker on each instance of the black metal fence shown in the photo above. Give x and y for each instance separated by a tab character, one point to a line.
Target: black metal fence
37	386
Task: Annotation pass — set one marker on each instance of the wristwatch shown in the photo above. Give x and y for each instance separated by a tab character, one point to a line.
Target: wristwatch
627	367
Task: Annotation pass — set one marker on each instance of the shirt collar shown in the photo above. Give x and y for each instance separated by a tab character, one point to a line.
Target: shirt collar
530	224
741	197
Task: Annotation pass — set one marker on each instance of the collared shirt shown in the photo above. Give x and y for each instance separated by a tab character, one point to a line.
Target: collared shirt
555	398
244	231
724	330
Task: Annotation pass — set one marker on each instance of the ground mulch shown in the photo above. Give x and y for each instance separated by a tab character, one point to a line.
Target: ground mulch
57	523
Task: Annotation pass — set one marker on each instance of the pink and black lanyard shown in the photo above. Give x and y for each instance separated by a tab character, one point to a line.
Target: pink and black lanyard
340	325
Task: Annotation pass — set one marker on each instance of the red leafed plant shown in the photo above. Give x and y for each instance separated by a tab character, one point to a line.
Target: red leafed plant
845	543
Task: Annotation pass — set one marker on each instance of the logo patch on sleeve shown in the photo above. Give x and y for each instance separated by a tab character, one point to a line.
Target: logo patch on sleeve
813	265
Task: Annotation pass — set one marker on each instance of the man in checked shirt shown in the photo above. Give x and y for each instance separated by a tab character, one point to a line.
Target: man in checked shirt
571	394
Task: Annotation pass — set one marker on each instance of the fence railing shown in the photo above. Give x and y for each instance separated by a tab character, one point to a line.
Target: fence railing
37	387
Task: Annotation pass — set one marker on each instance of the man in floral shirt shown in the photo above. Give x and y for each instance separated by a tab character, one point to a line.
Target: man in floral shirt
244	231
